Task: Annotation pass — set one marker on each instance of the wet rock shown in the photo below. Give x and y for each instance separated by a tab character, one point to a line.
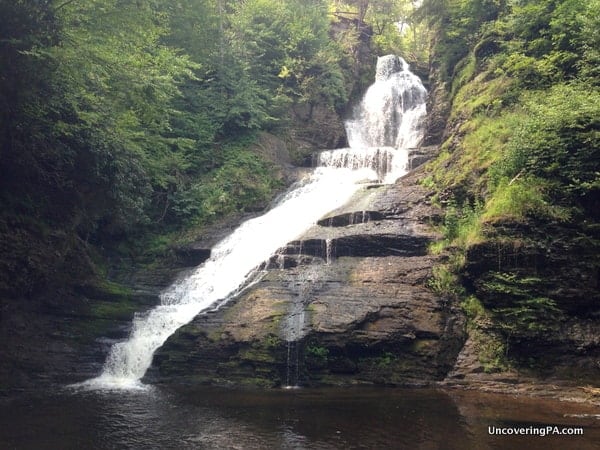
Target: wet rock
344	304
360	245
350	218
539	283
420	155
192	255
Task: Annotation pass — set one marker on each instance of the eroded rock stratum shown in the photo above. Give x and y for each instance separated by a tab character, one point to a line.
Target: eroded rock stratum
347	303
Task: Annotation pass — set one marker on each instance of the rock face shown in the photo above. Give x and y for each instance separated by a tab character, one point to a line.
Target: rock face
541	283
347	303
65	335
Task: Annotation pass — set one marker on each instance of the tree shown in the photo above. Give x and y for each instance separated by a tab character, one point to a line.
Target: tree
86	96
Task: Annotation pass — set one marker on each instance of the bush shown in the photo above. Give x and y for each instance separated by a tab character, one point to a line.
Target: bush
521	198
557	139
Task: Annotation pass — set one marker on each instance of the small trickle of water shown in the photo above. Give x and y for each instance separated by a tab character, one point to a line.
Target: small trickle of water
288	365
280	260
293	366
328	251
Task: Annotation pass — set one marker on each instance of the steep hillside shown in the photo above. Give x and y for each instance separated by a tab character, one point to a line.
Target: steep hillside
518	178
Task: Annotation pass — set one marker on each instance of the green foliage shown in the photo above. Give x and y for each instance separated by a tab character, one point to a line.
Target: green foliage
120	118
96	127
391	24
558	140
550	42
317	352
483	97
507	285
522	146
532	315
473	308
286	49
85	91
465	72
517	306
461	226
395	29
525	197
444	281
486	127
243	182
458	23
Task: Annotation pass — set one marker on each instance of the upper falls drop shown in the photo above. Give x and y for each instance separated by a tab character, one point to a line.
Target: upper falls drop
385	125
391	112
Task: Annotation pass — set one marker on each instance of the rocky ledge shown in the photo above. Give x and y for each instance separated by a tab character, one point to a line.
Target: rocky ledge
347	303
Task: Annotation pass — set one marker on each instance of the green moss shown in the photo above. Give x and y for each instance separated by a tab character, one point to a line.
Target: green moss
483	139
437	247
472	308
482	95
115	289
443	281
110	300
123	310
264	351
491	351
427	182
317	352
258	354
465	71
490	347
272	341
257	382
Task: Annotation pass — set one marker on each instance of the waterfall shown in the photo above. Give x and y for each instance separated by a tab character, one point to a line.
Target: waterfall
386	124
391	112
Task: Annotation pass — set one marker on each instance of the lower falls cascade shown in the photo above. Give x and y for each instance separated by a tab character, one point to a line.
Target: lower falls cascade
386	124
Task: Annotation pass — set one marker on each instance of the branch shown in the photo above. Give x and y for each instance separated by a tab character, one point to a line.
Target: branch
516	177
64	4
350	13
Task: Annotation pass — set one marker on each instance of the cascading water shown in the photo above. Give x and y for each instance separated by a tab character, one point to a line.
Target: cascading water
386	124
392	110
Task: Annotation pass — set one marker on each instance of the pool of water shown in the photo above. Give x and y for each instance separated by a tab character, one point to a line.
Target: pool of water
208	418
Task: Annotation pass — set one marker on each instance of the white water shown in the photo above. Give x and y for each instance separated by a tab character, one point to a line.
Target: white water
234	261
392	111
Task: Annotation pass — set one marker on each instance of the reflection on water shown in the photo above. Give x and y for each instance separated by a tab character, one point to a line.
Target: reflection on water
298	419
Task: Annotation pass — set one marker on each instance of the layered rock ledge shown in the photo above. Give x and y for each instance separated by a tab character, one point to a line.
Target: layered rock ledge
346	303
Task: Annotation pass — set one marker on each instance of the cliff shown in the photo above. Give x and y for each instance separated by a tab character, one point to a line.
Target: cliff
347	303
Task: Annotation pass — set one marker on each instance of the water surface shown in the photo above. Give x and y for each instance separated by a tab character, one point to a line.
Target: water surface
209	418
